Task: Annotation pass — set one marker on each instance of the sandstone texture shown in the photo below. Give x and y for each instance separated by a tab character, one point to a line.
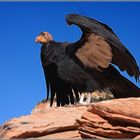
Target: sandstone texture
55	123
117	118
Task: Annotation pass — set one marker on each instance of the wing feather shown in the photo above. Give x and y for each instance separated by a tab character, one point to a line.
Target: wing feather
99	46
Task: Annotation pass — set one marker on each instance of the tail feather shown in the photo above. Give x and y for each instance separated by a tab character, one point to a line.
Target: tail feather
48	91
123	88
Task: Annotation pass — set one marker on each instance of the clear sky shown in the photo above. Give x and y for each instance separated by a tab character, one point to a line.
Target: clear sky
22	83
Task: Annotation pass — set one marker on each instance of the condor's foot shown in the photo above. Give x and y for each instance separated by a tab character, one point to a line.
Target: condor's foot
82	102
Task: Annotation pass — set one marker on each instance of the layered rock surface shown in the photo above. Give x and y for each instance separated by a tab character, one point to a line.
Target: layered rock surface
117	118
54	122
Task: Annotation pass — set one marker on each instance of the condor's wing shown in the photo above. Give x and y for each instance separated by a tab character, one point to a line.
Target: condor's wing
99	46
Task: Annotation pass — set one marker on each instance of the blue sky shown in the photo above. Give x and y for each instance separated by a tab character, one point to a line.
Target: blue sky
22	80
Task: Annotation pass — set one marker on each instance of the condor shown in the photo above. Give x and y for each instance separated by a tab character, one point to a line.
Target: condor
87	65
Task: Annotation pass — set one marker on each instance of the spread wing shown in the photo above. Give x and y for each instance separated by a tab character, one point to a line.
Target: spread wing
99	46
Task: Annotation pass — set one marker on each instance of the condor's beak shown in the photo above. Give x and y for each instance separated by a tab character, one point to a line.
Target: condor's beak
40	39
37	40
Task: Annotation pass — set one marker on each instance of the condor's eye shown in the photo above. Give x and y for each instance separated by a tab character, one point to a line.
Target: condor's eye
43	34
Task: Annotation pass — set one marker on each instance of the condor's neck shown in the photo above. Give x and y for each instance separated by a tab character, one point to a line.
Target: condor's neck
53	52
51	44
51	47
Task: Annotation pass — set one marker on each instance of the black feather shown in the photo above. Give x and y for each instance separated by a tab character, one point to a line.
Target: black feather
89	25
64	72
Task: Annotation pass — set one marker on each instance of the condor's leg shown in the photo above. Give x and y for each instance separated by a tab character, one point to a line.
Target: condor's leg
81	101
88	100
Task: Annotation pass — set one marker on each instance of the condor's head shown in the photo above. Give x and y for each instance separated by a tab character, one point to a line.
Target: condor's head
43	38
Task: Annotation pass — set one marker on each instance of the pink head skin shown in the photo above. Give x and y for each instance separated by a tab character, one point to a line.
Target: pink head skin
43	38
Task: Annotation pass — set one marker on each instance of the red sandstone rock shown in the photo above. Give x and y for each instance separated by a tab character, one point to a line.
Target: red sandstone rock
49	124
118	118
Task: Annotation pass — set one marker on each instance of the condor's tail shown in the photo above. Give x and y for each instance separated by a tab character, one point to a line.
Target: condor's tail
123	88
